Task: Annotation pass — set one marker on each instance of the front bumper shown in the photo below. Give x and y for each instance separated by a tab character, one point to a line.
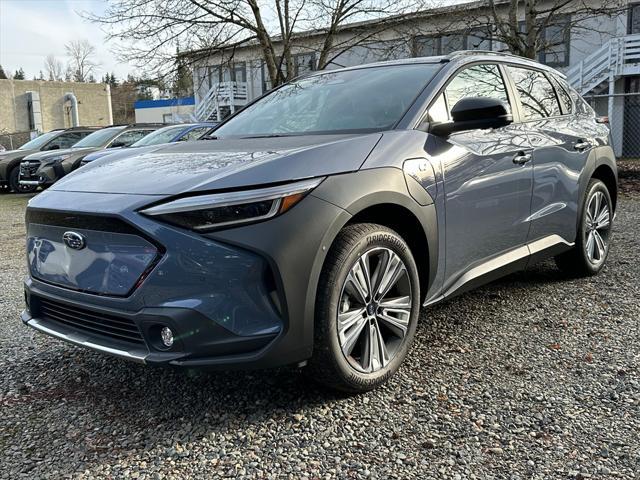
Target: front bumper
242	298
33	173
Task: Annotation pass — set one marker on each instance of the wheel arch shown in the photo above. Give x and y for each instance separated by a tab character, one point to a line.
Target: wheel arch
380	195
407	225
608	177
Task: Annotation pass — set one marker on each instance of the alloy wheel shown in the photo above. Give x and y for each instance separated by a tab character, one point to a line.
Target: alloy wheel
598	224
374	310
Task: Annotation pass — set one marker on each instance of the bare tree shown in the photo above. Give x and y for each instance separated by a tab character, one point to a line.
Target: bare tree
81	59
54	68
528	27
274	26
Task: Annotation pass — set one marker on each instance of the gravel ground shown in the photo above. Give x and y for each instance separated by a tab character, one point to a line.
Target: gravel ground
534	376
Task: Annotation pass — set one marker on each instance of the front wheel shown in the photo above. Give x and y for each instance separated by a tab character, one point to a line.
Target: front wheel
588	255
14	182
367	308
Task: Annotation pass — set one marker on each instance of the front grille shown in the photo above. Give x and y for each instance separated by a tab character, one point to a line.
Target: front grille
111	326
29	169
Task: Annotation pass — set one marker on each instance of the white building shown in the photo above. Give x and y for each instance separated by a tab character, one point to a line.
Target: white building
601	59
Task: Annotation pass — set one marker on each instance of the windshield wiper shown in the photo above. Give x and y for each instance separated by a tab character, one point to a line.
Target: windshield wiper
269	135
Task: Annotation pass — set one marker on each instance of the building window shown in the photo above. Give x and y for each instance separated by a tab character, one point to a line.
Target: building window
556	37
429	46
633	22
302	63
236	72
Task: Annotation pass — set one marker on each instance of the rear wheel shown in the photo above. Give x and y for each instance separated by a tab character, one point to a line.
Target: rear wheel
590	252
14	182
366	310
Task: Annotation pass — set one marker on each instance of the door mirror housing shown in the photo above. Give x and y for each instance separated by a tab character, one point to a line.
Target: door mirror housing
53	147
474	113
117	145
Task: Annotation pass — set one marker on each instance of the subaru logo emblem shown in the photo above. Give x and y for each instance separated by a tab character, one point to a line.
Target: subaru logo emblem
74	240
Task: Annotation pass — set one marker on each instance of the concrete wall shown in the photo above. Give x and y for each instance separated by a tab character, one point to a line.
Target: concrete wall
94	104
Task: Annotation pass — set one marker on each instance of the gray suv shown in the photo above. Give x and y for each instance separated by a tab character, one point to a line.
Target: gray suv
47	142
316	222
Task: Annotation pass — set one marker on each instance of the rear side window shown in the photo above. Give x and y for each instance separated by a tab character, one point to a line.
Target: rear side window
537	95
477	81
563	95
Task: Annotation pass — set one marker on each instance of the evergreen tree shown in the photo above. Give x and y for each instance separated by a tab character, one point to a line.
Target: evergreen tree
19	75
3	75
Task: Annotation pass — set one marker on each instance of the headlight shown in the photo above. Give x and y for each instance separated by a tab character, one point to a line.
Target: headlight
58	159
210	212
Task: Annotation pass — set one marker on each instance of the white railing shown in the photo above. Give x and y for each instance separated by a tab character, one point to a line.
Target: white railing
224	94
619	56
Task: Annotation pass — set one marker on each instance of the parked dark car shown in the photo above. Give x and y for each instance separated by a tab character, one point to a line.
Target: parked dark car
53	140
170	134
45	168
318	220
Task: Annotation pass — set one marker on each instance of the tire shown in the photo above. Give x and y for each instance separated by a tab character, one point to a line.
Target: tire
589	254
362	368
14	182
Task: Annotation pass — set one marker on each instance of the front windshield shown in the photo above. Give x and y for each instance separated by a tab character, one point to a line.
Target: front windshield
99	138
361	100
163	135
38	142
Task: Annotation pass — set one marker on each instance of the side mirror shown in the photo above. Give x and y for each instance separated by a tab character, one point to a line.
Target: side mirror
473	113
117	145
53	147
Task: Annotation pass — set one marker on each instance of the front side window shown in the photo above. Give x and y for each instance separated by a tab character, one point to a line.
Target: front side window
477	81
349	101
536	93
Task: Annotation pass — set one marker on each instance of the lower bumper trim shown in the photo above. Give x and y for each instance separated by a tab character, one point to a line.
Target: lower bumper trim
30	182
80	340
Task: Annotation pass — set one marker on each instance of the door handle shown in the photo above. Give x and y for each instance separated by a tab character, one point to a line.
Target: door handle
521	158
581	145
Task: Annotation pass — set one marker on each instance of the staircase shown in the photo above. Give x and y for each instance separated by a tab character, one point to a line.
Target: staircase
618	57
220	100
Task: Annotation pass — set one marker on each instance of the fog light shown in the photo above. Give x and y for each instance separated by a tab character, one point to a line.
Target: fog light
167	336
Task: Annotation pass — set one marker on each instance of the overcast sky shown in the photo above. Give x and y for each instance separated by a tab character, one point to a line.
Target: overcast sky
32	29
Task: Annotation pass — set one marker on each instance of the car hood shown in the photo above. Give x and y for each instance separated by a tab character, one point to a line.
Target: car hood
224	163
56	153
102	153
13	154
119	153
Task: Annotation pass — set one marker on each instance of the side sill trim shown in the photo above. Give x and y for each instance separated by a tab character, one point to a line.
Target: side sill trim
521	253
75	340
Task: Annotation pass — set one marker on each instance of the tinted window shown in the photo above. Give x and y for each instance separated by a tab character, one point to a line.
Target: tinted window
66	140
536	93
194	134
364	99
477	81
563	96
163	135
129	137
39	141
99	138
